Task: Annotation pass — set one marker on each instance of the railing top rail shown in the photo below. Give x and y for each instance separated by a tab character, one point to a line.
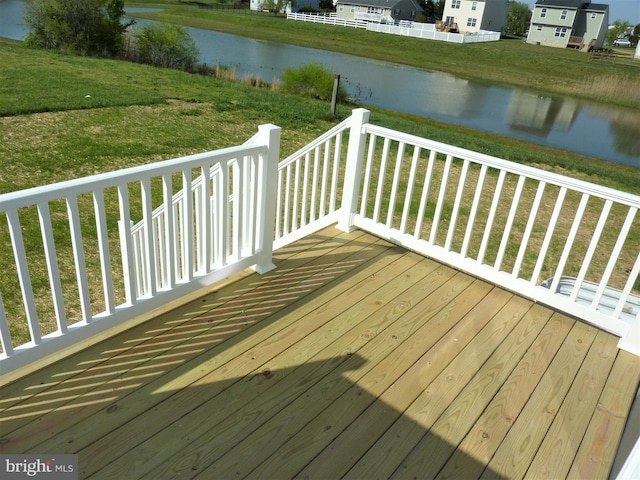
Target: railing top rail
509	166
344	125
27	197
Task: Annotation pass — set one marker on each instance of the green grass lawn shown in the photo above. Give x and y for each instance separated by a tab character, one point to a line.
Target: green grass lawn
507	62
63	117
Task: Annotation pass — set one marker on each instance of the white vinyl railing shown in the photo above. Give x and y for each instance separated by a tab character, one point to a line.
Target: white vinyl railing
572	245
185	242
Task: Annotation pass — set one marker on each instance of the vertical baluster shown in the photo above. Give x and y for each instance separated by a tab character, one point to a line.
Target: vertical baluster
492	215
126	247
52	266
296	194
5	335
424	197
395	183
367	174
281	186
188	230
17	242
548	235
591	249
254	202
474	211
224	212
440	203
510	218
205	219
325	179
238	208
381	175
633	275
79	258
314	185
570	241
336	172
305	190
104	250
287	200
148	260
415	160
528	229
169	231
456	205
613	258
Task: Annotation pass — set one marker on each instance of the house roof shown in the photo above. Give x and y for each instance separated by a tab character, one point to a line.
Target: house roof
376	3
560	3
598	7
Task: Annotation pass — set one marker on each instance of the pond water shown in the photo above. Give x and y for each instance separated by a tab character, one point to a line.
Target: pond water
597	130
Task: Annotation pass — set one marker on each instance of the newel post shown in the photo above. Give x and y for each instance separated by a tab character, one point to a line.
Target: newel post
353	169
268	135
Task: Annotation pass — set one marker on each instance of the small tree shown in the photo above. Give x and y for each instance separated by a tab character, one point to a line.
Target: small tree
88	27
617	30
277	6
165	45
518	18
311	80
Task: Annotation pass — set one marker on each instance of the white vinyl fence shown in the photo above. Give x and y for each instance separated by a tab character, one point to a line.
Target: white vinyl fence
572	245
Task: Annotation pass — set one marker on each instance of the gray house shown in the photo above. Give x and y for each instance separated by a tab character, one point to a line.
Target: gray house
378	11
569	23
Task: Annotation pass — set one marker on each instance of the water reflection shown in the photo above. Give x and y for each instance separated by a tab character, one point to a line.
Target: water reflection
601	131
540	115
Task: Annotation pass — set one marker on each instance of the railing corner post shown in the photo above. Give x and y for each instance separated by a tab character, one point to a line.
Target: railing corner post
353	169
268	135
630	341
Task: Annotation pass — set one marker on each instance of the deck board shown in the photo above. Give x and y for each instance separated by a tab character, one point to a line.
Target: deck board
353	359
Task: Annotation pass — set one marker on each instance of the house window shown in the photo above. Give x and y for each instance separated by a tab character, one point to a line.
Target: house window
539	28
450	20
455	3
471	22
374	10
563	15
543	13
474	6
560	32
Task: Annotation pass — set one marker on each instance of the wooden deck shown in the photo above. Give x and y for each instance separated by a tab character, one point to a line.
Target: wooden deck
353	359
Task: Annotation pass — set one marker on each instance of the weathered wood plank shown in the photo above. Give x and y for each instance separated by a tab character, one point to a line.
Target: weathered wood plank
560	445
381	354
598	448
395	401
353	359
482	441
312	315
513	457
151	352
443	437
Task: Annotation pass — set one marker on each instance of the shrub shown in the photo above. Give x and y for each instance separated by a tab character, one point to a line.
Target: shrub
88	27
165	45
311	80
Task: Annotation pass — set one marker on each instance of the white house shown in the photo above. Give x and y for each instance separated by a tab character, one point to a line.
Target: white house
475	15
260	5
378	11
569	23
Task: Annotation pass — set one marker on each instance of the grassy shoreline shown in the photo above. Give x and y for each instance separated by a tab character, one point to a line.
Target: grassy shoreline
508	62
64	116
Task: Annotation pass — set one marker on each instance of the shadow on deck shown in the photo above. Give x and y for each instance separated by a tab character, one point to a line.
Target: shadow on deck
353	359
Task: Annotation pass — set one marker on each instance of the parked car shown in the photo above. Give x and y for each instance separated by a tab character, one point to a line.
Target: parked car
621	42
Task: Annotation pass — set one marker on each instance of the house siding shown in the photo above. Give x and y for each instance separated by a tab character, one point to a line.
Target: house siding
488	14
399	10
554	24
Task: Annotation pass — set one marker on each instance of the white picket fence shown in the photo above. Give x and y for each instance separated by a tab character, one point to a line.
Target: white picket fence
510	224
326	19
375	23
